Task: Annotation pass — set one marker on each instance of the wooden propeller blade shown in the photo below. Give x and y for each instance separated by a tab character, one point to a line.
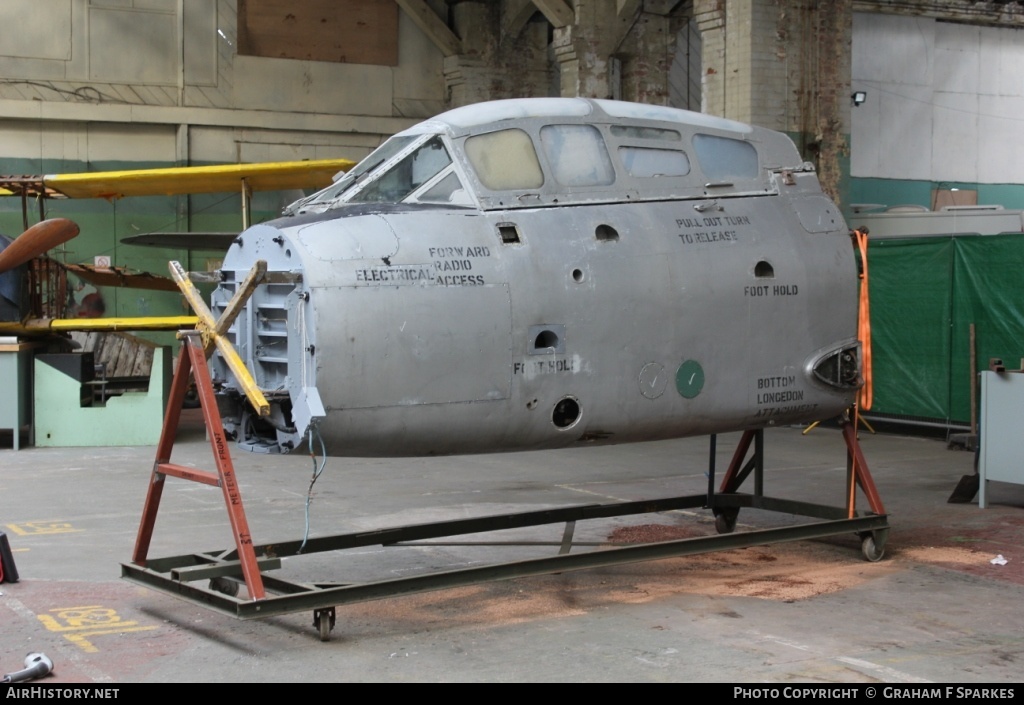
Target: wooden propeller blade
36	240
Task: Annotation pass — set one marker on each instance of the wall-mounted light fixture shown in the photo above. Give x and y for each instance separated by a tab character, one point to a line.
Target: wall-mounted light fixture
858	97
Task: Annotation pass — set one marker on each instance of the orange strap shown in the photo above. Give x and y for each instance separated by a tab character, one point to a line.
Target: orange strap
866	392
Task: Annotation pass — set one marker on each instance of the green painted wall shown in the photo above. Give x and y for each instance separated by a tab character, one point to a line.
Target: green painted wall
896	192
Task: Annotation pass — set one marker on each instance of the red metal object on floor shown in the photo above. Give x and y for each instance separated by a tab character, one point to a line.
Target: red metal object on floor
192	360
858	473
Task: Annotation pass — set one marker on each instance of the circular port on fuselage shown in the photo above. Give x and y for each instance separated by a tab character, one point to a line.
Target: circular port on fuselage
566	412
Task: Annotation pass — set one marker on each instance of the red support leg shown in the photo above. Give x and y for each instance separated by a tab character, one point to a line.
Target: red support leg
859	470
172	416
737	462
193	359
226	471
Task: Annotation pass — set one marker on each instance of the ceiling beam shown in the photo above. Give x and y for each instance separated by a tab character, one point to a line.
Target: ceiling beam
432	25
998	14
625	16
657	7
626	7
558	12
514	16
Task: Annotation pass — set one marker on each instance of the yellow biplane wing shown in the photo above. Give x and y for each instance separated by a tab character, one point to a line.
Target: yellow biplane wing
111	185
173	181
44	326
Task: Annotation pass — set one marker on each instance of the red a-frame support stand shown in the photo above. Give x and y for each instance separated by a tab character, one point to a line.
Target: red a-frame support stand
858	474
192	360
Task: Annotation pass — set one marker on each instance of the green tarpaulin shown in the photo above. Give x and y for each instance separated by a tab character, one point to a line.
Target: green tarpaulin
925	294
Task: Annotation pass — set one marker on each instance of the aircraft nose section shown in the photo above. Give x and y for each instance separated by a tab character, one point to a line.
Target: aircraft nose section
271	335
363	237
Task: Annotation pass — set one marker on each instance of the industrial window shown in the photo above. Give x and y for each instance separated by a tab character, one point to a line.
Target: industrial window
505	160
725	158
645	162
577	155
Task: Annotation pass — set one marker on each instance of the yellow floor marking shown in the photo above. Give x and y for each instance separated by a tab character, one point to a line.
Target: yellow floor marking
77	623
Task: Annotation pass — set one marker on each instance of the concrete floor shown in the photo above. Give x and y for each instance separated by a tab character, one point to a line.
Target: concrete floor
935	609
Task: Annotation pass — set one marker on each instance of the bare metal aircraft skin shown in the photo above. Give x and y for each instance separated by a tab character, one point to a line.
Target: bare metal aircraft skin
544	273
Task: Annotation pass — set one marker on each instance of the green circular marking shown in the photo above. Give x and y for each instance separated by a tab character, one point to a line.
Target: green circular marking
690	379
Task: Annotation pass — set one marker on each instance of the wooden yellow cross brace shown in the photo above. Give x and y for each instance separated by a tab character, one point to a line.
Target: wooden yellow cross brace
212	331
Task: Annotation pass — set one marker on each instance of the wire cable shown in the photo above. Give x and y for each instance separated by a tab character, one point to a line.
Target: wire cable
317	469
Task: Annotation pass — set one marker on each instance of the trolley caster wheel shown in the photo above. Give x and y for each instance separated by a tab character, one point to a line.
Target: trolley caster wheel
191	400
225	586
725	520
872	551
323	619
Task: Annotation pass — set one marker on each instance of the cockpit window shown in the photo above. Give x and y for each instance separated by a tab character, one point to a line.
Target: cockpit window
405	176
505	160
646	162
577	155
377	157
448	190
725	158
645	133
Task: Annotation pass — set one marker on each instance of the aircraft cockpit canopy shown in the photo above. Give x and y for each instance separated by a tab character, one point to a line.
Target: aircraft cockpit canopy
561	151
394	172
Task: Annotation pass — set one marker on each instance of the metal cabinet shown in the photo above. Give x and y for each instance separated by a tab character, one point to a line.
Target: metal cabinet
1001	449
